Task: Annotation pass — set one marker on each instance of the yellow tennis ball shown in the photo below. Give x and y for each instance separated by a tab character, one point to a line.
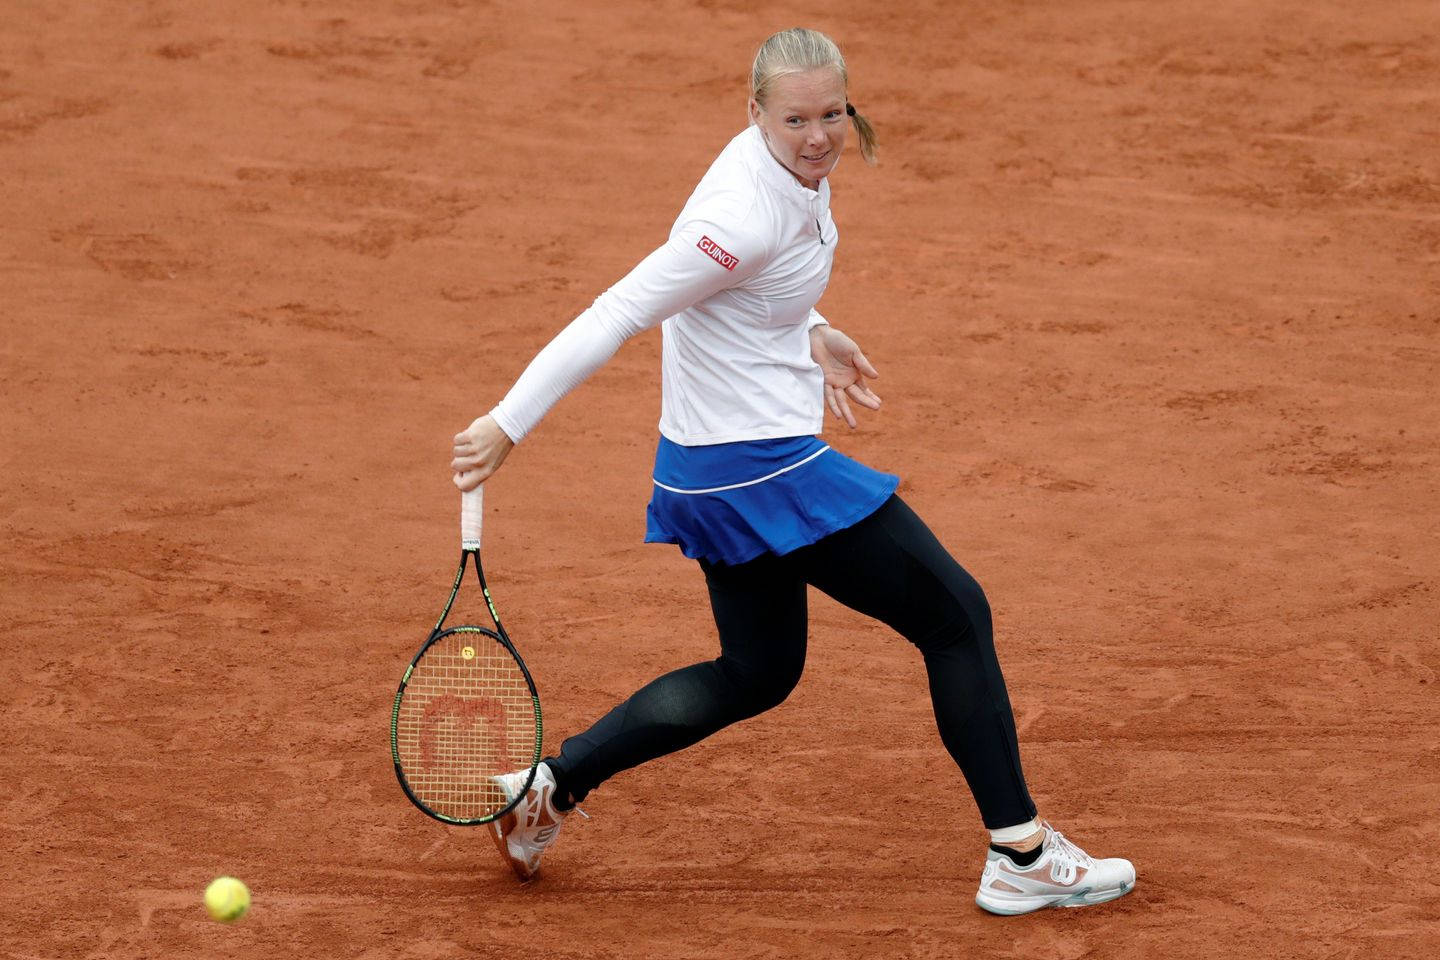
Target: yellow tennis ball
227	899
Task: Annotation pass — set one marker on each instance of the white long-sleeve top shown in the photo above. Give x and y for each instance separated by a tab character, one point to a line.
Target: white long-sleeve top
735	287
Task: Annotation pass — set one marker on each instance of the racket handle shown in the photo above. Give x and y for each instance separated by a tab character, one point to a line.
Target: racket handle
472	511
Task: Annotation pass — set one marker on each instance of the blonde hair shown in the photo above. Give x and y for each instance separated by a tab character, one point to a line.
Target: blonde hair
799	50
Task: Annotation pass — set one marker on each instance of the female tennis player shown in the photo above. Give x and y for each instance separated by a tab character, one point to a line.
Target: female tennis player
744	486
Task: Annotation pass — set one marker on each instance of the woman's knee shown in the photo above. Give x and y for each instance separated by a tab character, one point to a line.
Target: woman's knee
759	688
971	598
955	611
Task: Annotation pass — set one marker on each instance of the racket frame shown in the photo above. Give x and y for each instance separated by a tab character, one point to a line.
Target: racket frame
471	548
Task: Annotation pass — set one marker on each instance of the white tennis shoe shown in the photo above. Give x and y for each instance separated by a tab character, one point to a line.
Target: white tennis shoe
523	834
1064	876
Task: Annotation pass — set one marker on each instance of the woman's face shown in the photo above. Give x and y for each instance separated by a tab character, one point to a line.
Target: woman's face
804	123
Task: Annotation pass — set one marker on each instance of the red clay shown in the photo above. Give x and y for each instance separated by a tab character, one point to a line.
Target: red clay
1154	290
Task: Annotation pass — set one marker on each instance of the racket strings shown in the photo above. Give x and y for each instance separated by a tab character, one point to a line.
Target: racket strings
467	716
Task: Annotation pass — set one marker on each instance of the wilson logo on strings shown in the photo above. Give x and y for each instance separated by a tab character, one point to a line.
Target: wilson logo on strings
458	713
718	253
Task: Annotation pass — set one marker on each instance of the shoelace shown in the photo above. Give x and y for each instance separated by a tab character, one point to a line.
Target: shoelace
566	813
575	808
535	813
1066	858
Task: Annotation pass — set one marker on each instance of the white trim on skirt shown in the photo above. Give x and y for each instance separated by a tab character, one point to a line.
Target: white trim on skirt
747	483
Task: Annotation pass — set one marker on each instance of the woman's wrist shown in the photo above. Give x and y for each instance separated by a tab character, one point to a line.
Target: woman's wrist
503	423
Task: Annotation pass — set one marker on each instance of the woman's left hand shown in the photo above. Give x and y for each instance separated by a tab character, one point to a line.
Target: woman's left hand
845	370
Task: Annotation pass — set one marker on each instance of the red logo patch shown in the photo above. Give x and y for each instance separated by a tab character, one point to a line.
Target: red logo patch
718	253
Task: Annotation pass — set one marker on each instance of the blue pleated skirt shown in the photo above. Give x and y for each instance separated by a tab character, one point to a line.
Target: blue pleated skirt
731	502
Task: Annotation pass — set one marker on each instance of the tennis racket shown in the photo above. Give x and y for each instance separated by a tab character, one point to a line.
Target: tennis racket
467	710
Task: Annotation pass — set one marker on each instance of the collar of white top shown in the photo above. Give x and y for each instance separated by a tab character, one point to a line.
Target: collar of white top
774	174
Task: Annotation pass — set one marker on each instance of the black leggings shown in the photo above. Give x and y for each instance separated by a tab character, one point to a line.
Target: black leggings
888	566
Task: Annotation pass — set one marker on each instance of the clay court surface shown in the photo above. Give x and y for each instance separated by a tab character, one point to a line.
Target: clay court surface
1154	290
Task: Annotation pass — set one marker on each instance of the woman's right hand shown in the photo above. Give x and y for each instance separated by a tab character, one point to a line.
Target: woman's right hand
479	450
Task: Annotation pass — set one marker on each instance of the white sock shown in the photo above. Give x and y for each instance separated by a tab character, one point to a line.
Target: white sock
1009	836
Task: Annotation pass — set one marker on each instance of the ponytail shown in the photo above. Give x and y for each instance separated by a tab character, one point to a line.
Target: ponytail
864	131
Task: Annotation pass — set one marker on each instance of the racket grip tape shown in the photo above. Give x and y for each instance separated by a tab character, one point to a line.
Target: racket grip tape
472	512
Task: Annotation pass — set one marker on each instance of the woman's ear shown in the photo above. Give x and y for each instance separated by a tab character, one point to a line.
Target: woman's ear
755	111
